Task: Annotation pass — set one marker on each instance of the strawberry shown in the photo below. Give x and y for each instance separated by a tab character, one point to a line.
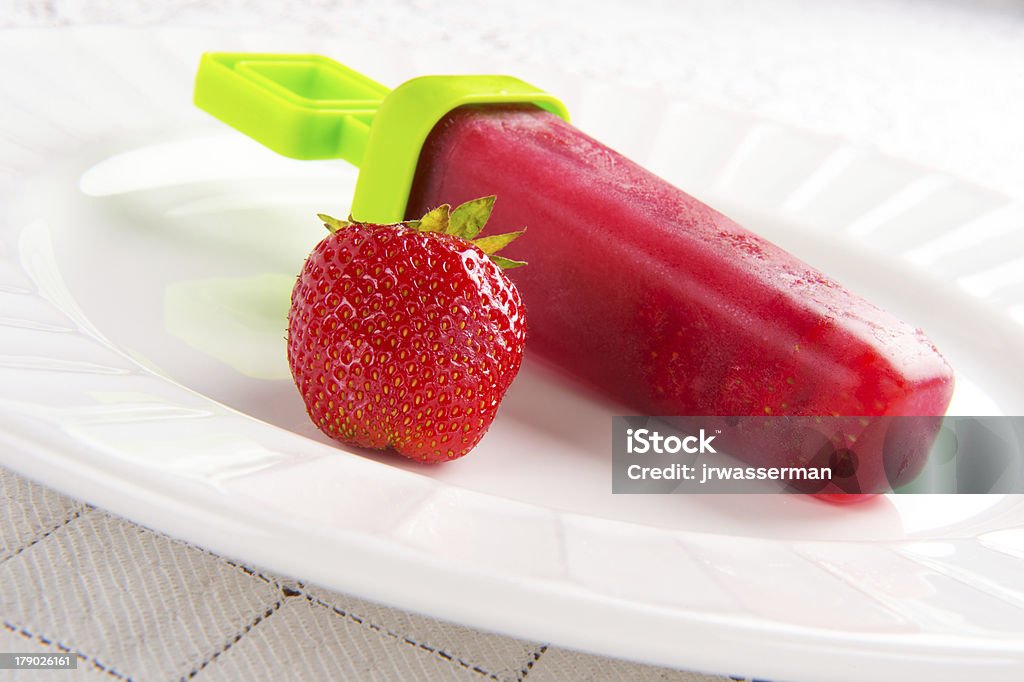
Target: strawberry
407	335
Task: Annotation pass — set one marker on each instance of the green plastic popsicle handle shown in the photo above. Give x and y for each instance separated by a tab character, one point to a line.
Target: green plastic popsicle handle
312	107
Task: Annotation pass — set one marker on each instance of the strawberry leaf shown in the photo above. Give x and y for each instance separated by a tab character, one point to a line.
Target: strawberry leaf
332	224
436	220
506	263
496	242
469	218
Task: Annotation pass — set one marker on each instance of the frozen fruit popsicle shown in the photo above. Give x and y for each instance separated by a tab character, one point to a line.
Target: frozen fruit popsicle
634	287
655	299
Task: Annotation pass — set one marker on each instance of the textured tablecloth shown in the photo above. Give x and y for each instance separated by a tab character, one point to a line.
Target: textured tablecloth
939	83
135	604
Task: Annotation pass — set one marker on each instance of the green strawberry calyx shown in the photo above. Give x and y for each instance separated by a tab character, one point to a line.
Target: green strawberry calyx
464	221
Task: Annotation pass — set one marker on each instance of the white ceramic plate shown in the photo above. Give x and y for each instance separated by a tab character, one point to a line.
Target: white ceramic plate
146	256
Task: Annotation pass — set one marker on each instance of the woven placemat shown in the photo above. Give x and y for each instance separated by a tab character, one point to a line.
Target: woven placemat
134	604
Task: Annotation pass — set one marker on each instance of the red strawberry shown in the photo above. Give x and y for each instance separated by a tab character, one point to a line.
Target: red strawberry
407	335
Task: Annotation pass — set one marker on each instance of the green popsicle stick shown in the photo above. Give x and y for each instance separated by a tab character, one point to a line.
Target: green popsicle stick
312	107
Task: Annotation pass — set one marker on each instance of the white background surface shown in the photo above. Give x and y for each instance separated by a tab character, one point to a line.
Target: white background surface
937	83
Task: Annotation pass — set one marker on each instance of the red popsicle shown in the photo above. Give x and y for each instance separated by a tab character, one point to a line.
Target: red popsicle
655	299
